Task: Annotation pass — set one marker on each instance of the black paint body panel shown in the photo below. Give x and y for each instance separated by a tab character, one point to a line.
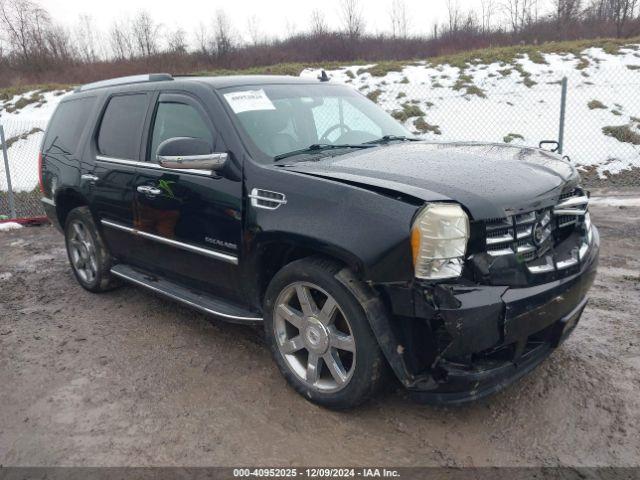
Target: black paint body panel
357	208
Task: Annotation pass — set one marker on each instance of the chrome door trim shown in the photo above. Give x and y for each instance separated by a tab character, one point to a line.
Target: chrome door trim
182	300
154	166
89	178
225	257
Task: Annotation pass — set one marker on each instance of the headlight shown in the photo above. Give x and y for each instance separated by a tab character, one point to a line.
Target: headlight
439	241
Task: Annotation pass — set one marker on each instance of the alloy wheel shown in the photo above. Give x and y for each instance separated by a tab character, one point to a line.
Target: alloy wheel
82	251
314	337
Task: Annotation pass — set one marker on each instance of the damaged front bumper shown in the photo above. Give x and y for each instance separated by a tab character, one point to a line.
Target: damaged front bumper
462	343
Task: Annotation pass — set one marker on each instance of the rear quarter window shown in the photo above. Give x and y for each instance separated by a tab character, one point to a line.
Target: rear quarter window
67	125
121	126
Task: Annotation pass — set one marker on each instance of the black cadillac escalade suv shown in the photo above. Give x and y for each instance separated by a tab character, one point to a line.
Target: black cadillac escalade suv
300	204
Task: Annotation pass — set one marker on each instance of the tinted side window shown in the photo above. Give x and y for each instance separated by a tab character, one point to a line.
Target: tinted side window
177	120
121	126
67	124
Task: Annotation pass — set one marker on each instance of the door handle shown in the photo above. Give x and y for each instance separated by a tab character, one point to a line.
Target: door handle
148	190
91	179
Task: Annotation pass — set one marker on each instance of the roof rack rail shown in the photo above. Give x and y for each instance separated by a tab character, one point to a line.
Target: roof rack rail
153	77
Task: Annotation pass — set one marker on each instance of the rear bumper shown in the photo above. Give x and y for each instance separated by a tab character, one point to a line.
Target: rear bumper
492	335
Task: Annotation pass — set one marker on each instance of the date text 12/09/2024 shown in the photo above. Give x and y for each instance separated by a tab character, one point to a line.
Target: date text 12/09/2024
316	472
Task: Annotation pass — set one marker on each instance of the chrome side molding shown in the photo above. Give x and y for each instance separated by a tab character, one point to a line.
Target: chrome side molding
225	257
151	165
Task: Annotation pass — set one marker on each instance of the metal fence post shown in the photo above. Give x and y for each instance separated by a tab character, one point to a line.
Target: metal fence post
12	205
563	111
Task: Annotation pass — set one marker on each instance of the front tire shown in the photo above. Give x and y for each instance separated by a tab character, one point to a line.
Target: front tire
88	255
320	336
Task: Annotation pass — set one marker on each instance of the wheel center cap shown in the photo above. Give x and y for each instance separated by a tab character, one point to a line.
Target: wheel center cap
316	336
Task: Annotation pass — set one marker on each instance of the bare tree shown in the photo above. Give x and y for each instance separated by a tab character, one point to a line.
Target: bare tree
618	12
352	18
290	28
59	45
622	11
177	41
318	23
453	15
25	24
223	34
203	40
85	39
487	8
566	11
399	19
145	33
121	40
520	13
256	35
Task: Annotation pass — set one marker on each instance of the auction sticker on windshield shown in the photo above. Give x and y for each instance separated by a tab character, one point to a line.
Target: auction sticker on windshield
248	100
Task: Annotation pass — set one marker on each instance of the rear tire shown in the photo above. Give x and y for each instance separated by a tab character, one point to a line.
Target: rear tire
320	337
88	255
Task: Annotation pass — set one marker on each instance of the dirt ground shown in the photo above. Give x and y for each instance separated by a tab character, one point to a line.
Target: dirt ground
128	378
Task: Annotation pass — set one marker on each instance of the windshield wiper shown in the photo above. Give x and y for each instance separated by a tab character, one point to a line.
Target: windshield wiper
391	138
318	147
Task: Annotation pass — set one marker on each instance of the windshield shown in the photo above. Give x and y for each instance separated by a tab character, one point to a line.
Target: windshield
280	119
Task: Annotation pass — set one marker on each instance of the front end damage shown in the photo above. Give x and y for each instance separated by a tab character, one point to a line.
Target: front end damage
452	343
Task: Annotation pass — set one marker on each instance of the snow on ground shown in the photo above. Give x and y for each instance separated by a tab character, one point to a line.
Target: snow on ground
615	201
517	102
23	130
521	99
6	226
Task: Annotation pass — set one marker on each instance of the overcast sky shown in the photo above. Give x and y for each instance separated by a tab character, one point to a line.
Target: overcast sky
276	16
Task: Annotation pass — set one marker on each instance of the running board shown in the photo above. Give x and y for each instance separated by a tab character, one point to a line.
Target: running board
199	300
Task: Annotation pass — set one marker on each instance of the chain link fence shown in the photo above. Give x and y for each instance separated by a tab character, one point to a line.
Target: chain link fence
517	103
19	189
522	105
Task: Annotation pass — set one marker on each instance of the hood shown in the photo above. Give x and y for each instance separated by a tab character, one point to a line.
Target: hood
489	180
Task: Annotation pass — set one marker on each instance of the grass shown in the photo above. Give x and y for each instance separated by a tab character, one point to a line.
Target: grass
421	125
8	93
622	133
23	136
536	57
596	105
400	95
374	95
23	102
511	137
504	55
465	82
382	68
526	76
508	55
408	111
583	63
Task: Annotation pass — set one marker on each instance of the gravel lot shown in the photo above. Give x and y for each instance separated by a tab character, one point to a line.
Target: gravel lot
127	378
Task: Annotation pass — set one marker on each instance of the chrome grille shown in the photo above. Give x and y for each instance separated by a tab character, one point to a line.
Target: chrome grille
532	236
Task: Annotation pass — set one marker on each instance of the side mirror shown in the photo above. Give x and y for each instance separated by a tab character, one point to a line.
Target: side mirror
187	153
